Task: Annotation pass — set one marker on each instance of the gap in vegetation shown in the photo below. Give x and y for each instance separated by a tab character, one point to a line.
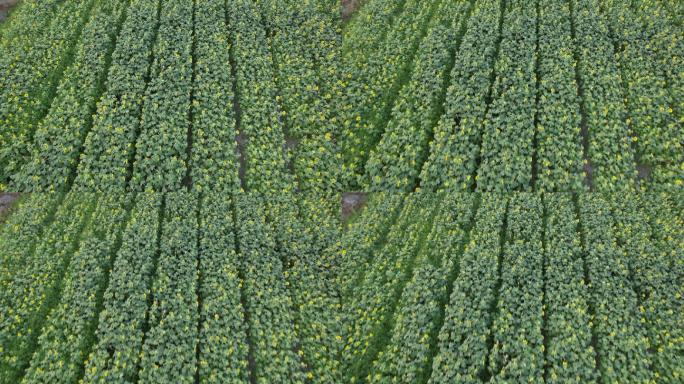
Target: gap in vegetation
618	50
198	286
545	314
187	180
240	139
6	7
535	139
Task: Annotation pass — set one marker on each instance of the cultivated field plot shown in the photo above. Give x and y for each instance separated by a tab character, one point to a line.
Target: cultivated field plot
171	173
150	95
513	95
172	288
514	289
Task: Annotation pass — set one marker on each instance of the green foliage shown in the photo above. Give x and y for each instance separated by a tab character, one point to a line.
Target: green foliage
30	71
508	130
570	355
455	147
107	151
60	135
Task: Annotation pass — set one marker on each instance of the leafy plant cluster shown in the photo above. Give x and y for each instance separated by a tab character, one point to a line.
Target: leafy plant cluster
549	95
408	353
161	147
107	152
146	95
373	300
29	289
508	131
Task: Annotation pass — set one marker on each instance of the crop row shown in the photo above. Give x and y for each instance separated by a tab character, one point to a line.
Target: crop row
395	162
562	98
369	313
548	288
452	162
508	130
30	71
376	77
559	162
214	156
161	147
87	87
28	293
412	340
107	150
59	136
179	287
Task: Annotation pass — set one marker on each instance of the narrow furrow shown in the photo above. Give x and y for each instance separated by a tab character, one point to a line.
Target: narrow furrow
607	140
374	82
584	124
261	135
267	298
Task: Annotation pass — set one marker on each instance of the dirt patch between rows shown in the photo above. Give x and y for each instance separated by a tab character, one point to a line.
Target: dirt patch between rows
349	7
5	6
352	202
6	201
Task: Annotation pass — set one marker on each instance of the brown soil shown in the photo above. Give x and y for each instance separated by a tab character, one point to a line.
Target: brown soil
351	203
6	201
644	173
5	6
349	7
